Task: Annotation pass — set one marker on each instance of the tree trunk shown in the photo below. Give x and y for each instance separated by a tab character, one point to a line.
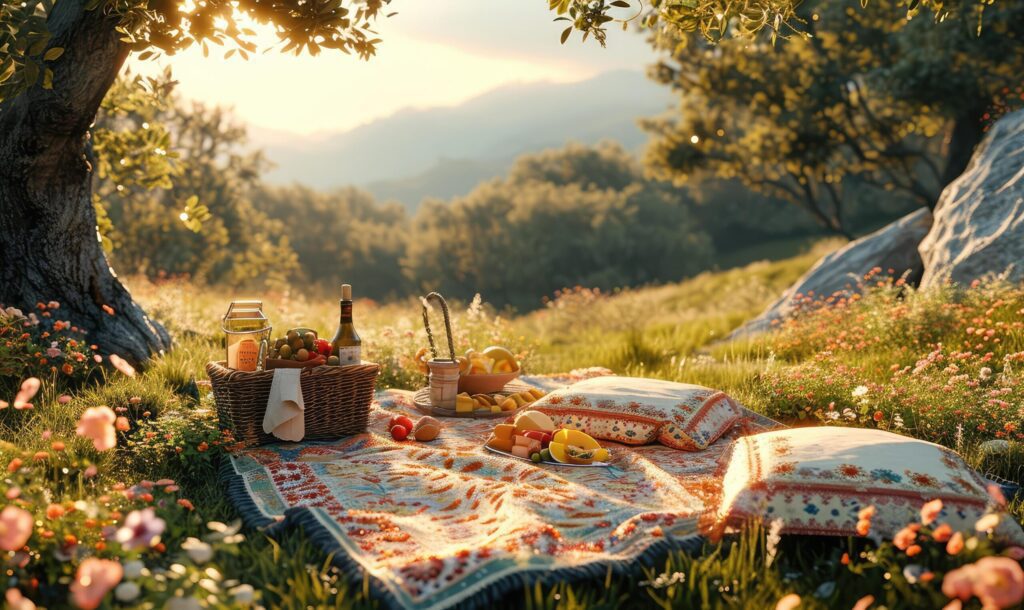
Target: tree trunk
967	131
48	241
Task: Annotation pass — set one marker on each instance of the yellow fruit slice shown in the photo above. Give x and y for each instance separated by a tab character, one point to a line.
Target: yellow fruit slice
575	437
499	353
601	455
558	452
504	431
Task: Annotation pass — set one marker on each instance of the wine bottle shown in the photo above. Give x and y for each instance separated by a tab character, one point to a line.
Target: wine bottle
346	345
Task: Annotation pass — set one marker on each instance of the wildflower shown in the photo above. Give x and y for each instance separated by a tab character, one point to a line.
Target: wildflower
996	494
897	422
788	602
955	544
987	523
54	511
864	603
16	601
141	529
53	305
244	595
64	399
96	423
57	446
859	391
904	538
186	504
53	351
93	580
183	603
122	365
15	528
197	550
127	591
39	456
28	390
942	533
998	582
14	465
913	549
90	471
133	569
931	511
202	446
121	424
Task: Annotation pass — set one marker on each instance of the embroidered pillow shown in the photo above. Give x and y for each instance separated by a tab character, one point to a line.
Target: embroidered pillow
637	411
816	480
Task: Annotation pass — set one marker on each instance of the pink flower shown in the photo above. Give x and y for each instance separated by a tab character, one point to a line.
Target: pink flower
942	533
864	603
996	494
97	423
141	529
999	582
788	602
64	399
94	579
90	471
121	365
15	528
28	390
904	538
931	511
17	601
959	583
955	544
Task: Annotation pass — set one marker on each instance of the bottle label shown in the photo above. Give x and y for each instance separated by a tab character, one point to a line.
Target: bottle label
349	355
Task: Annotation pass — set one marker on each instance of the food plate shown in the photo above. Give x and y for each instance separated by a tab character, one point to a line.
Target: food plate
551	462
421	399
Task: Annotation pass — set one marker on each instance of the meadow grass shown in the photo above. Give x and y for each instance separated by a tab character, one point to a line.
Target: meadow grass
809	369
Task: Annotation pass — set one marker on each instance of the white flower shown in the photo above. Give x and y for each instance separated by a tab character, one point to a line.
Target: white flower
183	603
133	569
984	373
832	415
859	391
127	591
849	414
197	550
243	594
897	422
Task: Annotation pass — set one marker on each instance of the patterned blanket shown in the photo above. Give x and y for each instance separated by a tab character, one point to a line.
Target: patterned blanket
447	523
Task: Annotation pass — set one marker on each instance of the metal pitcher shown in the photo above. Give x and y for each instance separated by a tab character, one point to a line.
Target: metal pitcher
244	322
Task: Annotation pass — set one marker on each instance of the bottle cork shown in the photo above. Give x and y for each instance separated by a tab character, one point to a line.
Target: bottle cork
346	292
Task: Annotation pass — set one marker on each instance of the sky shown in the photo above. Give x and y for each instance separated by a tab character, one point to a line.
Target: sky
435	53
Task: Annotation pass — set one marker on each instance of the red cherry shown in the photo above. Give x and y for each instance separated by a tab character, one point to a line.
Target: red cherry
402	420
399	433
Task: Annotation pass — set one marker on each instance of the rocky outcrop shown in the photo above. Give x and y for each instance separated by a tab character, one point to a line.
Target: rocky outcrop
894	246
979	219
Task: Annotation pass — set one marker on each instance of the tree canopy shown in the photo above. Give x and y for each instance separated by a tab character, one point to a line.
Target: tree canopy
895	104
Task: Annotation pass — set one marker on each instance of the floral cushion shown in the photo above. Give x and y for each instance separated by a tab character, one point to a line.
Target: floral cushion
637	411
817	480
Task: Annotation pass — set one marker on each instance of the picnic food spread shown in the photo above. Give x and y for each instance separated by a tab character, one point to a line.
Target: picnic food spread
533	436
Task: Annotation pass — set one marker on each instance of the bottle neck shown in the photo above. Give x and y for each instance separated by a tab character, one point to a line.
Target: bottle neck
346	311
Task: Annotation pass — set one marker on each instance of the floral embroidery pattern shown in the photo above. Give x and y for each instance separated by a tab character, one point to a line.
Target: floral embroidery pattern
817	484
640	411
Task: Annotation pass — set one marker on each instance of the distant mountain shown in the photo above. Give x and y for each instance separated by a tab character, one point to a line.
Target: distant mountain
444	152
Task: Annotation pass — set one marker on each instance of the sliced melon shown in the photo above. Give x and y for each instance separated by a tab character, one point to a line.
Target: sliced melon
601	455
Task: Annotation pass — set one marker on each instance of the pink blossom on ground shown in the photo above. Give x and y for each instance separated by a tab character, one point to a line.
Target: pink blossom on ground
28	390
97	424
16	601
93	580
15	528
141	529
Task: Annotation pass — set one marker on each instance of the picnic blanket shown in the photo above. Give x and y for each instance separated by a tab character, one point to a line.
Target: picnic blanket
448	523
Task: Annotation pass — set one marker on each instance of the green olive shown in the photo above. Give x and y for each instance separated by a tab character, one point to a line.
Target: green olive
285	351
302	355
333	361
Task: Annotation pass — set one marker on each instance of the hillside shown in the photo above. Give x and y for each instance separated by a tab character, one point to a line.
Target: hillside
442	152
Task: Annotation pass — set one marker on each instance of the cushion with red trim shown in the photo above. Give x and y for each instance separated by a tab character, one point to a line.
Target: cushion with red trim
637	411
816	481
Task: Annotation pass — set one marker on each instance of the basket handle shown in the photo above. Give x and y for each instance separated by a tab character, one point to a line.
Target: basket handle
434	296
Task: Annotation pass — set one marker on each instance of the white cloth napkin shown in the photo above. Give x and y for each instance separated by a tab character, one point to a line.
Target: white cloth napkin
285	416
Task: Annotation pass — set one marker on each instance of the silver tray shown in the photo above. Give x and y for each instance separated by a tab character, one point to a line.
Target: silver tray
552	462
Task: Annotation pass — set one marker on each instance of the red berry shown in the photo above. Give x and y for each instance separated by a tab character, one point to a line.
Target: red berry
399	433
402	420
322	346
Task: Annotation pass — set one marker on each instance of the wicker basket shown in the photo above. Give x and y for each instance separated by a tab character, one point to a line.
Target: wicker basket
337	400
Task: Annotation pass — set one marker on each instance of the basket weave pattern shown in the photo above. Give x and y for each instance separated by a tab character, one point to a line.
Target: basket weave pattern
337	400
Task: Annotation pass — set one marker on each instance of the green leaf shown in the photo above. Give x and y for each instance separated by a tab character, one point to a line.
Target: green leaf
47	78
53	53
620	4
566	33
7	72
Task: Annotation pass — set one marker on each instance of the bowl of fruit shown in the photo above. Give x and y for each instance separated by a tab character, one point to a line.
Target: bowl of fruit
300	348
487	371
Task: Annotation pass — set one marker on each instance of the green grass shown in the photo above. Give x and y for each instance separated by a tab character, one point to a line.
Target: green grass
671	332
